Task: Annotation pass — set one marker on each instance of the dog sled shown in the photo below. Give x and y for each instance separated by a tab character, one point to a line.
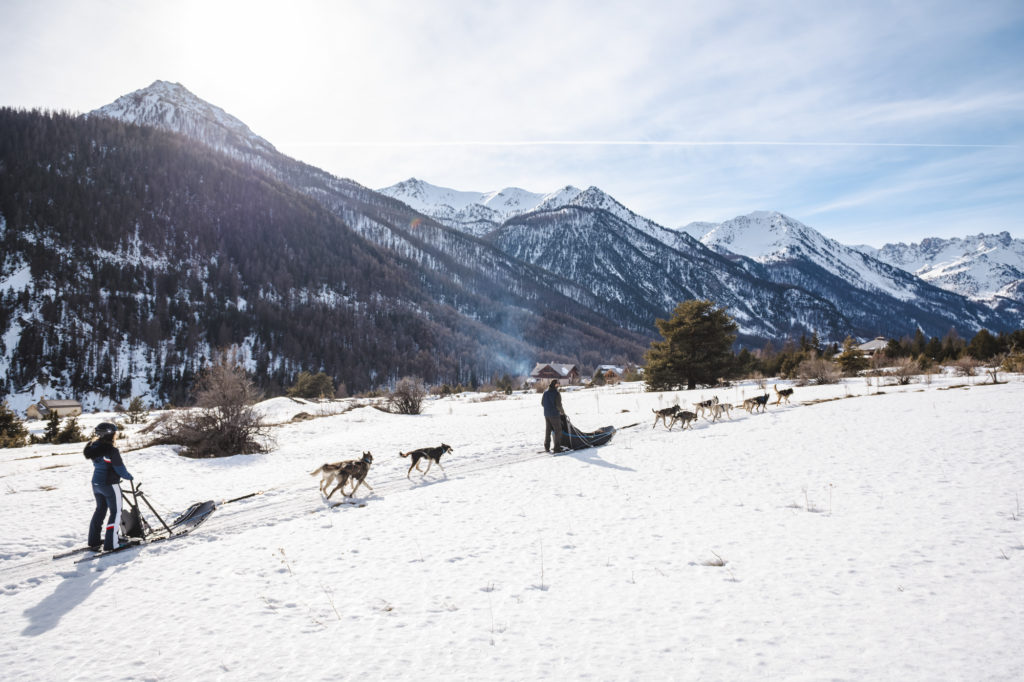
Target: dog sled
135	525
137	528
575	439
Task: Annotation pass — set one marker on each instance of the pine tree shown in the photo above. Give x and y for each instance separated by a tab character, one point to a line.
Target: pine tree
52	427
852	359
137	412
13	433
696	348
312	386
71	433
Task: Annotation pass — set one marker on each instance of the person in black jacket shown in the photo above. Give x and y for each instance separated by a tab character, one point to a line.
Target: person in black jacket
553	414
108	470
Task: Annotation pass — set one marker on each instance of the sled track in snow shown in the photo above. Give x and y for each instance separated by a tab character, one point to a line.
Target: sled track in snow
281	504
290	500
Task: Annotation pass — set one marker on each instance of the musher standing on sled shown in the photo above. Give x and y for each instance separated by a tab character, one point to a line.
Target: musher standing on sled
553	414
108	470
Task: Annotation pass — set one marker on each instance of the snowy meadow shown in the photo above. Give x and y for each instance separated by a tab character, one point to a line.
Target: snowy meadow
863	531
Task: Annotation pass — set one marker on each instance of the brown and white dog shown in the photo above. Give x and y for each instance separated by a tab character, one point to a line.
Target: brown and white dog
343	472
783	394
432	455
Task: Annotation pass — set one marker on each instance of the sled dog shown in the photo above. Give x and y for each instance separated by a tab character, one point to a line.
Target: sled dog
704	405
664	415
721	408
344	472
756	404
783	394
432	455
684	416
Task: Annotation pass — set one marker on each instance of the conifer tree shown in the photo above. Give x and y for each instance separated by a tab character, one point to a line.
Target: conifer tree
852	359
137	412
52	427
13	433
71	433
696	348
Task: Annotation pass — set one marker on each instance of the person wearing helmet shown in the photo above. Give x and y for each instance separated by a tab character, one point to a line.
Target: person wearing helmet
108	470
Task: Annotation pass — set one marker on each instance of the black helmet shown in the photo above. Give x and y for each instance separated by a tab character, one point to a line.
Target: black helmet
105	430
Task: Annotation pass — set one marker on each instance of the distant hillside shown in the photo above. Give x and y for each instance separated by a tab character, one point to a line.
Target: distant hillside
129	253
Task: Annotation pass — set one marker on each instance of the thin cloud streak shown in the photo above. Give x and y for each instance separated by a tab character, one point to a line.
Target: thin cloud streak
649	143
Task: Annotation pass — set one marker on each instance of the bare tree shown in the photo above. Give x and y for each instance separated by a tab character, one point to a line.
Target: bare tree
996	364
966	366
904	370
223	423
407	398
818	370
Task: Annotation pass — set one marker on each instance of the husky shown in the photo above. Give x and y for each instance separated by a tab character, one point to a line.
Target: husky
343	472
704	405
756	404
684	416
783	394
721	408
432	455
664	415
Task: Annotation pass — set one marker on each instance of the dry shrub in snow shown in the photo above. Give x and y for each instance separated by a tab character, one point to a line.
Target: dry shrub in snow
818	370
407	398
966	366
223	423
904	370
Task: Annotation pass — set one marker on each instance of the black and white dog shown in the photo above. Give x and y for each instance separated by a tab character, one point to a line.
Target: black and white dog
432	455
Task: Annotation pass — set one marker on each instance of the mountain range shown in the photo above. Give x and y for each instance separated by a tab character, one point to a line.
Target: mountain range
983	267
842	289
222	239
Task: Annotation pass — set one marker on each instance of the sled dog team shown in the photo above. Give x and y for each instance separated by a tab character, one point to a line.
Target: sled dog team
354	471
340	474
668	416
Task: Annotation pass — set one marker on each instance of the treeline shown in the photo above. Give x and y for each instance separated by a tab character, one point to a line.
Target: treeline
785	360
146	253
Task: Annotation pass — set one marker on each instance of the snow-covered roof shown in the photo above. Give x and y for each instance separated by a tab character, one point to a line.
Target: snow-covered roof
560	368
876	344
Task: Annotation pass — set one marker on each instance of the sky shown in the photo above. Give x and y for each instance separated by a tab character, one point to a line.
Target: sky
873	121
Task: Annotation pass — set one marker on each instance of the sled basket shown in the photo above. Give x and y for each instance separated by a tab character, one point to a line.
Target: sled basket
575	439
135	525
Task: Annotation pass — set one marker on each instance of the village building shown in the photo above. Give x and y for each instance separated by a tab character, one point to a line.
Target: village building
875	345
63	408
546	371
611	373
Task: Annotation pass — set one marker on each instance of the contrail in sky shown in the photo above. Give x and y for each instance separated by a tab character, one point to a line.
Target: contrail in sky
651	143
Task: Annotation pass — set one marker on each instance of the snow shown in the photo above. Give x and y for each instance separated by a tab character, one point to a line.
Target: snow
875	535
769	236
980	267
19	280
459	206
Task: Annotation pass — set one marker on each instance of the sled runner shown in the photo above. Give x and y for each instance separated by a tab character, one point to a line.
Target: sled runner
138	530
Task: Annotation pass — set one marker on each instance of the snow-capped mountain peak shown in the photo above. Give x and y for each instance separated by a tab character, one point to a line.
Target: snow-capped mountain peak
775	240
982	267
474	212
763	236
480	213
505	203
171	106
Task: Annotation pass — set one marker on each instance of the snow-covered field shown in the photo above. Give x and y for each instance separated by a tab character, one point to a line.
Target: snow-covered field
876	536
